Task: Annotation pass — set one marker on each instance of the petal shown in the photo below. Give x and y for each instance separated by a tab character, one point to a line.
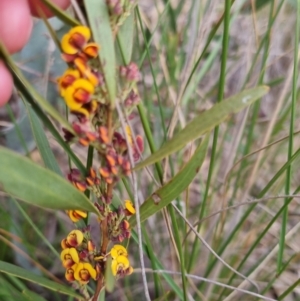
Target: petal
63	254
69	99
75	238
114	267
74	254
77	268
91	270
91	49
129	206
73	216
118	250
66	46
70	275
83	30
123	260
84	84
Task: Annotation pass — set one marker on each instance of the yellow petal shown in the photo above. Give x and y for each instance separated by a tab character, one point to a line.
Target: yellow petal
69	99
66	46
74	254
123	261
75	236
77	268
129	206
84	84
63	254
85	31
118	250
91	270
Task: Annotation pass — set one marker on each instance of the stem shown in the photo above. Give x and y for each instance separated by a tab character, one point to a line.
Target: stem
100	285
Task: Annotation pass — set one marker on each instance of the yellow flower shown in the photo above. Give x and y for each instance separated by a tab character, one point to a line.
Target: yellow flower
75	39
121	266
75	238
84	272
76	215
67	79
68	257
118	250
79	93
130	210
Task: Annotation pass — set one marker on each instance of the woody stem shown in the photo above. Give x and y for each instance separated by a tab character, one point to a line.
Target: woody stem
103	224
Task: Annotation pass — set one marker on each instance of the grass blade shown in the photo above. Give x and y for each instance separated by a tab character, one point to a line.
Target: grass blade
206	122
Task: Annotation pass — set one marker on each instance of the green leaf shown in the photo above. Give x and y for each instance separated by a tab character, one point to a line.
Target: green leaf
125	38
205	123
16	271
31	183
31	296
42	142
59	13
166	194
100	24
110	279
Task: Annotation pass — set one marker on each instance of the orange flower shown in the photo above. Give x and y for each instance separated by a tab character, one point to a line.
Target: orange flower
68	257
75	238
75	39
79	93
78	97
67	79
86	72
76	215
91	49
70	274
84	272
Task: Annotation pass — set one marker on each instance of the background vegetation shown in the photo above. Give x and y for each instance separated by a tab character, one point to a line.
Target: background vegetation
226	226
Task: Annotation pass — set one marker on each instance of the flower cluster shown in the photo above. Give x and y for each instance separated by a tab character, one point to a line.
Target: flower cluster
120	265
95	124
79	82
75	257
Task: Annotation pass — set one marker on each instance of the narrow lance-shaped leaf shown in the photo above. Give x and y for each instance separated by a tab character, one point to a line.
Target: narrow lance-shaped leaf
166	194
42	141
100	24
16	271
31	183
125	38
206	122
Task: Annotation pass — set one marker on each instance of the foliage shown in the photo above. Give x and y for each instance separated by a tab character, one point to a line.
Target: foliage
175	174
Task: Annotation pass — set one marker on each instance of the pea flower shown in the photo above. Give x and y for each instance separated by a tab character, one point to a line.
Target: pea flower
120	266
84	272
67	79
76	215
75	43
118	250
75	238
69	257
